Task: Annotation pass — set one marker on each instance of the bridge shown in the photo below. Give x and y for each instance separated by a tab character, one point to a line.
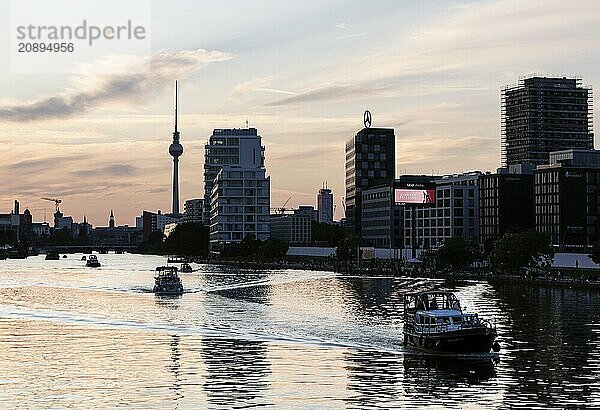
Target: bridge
87	248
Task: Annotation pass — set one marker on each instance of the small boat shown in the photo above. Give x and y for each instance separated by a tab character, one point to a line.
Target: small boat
64	256
103	251
119	252
167	281
177	259
435	323
92	262
186	268
52	256
83	258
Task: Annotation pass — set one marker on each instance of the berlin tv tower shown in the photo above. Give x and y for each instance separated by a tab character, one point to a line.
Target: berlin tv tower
176	150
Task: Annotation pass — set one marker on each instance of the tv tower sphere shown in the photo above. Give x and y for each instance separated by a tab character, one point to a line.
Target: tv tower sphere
176	149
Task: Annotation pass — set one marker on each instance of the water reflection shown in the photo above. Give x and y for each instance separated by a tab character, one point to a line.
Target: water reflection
551	341
175	368
168	301
374	378
239	338
236	372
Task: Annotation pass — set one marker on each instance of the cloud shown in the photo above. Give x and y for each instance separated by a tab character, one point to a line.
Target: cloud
114	170
257	85
331	92
40	164
90	90
351	36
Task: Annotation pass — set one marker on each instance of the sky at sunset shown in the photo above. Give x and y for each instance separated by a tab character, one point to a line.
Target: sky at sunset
302	73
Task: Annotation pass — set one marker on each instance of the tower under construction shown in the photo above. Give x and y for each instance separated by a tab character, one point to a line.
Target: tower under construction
543	114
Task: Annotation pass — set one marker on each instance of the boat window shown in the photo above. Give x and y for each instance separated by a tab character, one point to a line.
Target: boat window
457	319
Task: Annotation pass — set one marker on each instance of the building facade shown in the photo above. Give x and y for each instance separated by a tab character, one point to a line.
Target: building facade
370	161
309	211
505	201
16	226
294	229
383	209
541	115
567	198
325	205
194	210
239	147
154	221
239	205
455	213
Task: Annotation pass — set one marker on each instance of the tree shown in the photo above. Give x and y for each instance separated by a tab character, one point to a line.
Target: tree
8	237
274	248
154	243
524	249
327	234
455	252
348	248
188	239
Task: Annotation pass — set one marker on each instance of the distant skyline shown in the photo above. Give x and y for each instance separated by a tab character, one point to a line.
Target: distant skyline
302	73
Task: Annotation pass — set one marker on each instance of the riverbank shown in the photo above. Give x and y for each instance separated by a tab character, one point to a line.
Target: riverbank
569	277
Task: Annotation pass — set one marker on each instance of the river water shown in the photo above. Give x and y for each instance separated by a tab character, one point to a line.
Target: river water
72	336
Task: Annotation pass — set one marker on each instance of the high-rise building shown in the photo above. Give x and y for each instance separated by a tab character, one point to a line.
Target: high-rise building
370	161
567	204
541	115
194	210
237	147
325	205
175	150
239	205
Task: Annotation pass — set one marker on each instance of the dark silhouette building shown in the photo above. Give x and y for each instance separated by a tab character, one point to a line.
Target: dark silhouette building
567	203
505	202
541	115
370	161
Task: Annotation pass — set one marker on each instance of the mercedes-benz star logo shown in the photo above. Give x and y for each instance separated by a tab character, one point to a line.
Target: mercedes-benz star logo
367	119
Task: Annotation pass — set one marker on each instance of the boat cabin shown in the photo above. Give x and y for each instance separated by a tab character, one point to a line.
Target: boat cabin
165	272
432	300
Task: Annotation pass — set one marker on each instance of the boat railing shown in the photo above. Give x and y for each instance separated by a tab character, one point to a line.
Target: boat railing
468	322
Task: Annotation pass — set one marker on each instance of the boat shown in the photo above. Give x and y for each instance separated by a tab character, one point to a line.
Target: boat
92	262
17	253
186	268
52	256
64	256
103	251
167	281
83	258
177	259
435	323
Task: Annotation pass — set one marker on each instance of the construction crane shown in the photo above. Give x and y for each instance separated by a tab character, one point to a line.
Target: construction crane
283	208
56	201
